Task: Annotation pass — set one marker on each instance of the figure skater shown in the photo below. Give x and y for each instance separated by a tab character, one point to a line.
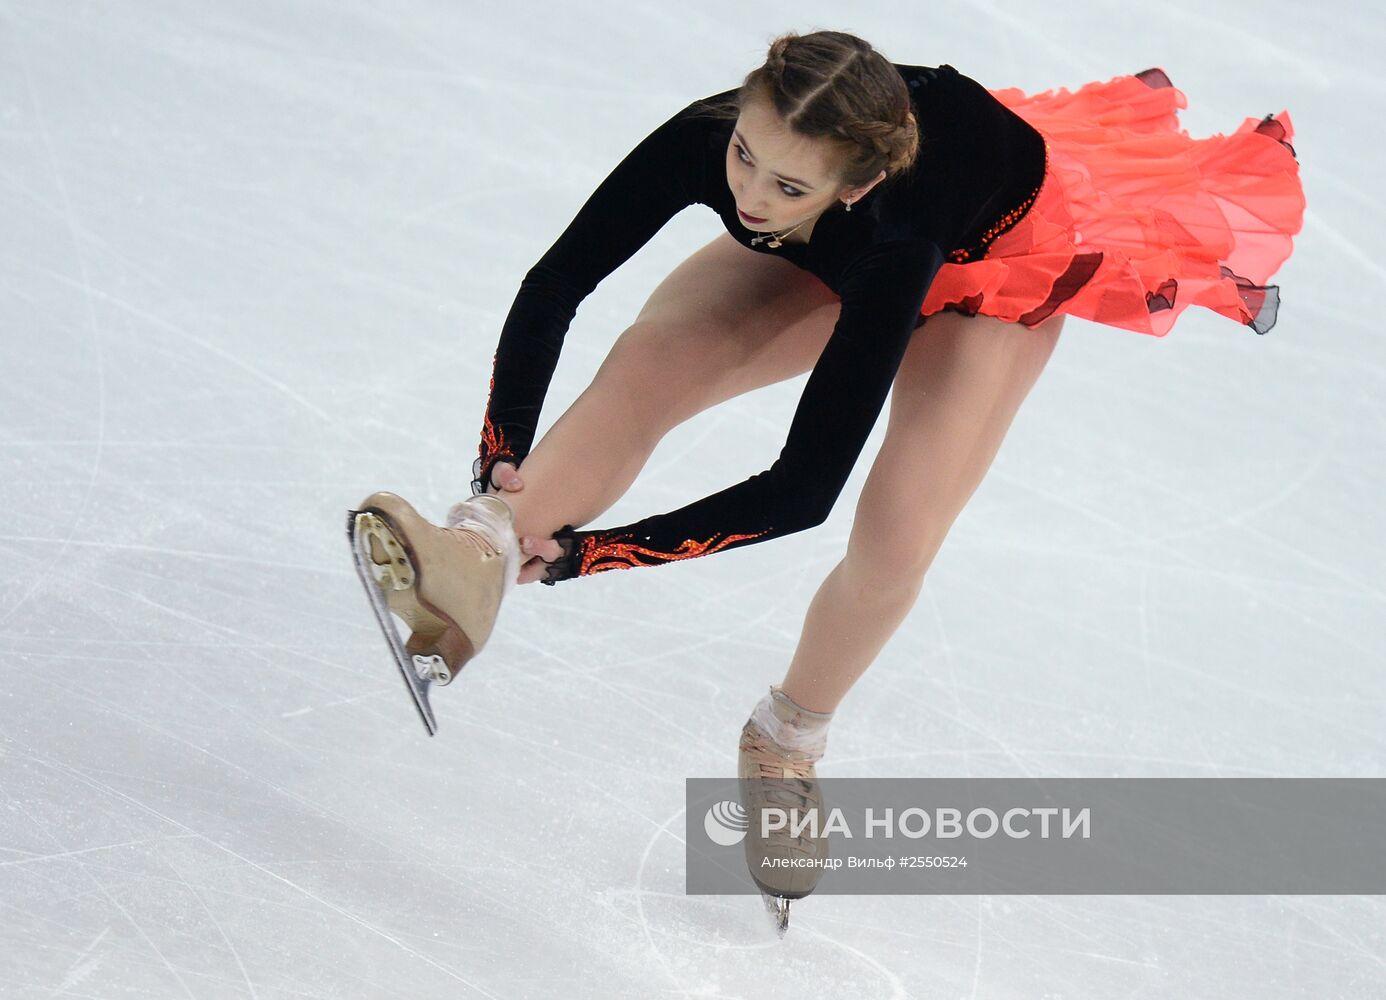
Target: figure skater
886	224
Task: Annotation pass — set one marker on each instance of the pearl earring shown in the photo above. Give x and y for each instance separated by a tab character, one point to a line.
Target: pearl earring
849	206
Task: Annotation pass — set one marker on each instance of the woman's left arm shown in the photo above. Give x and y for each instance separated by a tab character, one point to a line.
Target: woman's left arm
882	292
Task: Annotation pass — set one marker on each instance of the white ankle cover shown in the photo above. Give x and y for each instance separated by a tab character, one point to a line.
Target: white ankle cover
792	726
490	516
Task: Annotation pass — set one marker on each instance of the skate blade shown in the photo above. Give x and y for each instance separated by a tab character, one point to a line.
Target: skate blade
778	908
418	685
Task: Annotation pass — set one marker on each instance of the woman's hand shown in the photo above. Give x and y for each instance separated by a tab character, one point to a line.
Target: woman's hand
505	478
539	552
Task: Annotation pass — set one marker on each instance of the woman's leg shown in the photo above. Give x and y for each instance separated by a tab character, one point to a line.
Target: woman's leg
725	321
959	386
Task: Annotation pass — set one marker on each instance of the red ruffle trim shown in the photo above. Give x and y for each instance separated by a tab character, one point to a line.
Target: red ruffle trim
1136	220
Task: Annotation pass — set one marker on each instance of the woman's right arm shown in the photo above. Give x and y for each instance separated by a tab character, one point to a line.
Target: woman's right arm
663	174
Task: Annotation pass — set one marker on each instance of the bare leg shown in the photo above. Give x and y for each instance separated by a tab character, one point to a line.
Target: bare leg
725	321
585	462
960	385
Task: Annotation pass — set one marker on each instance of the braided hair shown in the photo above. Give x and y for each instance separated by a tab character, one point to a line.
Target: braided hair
835	86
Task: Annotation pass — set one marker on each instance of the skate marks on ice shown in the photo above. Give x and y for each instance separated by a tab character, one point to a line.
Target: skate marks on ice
109	868
663	929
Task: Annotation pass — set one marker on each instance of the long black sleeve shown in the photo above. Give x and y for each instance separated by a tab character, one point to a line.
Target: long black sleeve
979	168
659	177
882	292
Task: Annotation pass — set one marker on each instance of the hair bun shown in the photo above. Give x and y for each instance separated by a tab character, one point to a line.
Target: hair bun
777	58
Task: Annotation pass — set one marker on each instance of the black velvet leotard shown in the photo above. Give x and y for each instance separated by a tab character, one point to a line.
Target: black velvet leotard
978	170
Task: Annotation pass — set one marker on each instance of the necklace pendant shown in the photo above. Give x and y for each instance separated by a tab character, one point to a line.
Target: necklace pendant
773	244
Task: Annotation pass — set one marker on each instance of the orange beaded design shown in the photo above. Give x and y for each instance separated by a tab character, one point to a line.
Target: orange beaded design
964	254
493	443
599	557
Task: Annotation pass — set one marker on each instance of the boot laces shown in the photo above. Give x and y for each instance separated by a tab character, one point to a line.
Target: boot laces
786	775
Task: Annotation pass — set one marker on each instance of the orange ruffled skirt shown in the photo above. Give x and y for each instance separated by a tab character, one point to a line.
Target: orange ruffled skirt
1136	220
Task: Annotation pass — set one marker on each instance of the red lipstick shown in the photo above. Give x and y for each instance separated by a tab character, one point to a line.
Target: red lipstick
750	218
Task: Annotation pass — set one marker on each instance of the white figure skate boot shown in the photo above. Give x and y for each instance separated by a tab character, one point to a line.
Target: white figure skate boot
780	744
446	583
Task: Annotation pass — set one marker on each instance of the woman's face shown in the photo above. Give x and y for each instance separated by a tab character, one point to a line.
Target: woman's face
776	175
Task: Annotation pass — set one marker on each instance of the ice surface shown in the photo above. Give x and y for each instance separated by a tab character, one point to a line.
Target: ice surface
255	257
